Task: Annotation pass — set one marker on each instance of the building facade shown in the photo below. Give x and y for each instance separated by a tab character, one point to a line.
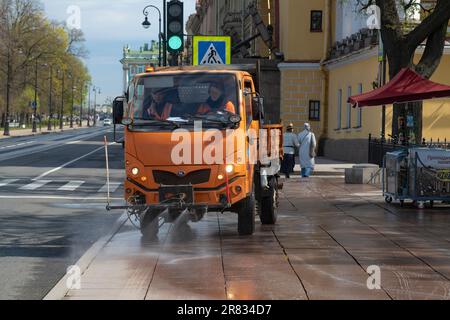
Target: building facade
135	61
329	54
233	18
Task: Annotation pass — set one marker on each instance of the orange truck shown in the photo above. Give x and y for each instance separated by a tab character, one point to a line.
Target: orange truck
195	142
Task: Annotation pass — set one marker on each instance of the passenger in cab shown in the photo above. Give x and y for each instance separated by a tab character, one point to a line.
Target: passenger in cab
159	109
217	101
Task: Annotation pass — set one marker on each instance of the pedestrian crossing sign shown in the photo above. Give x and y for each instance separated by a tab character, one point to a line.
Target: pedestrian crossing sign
211	50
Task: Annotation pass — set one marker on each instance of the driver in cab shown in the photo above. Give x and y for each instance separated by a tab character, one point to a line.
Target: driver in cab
217	101
159	108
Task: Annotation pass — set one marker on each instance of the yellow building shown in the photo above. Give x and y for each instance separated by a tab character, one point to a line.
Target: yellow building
331	55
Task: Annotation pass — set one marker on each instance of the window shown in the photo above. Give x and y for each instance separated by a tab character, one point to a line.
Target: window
359	119
316	21
349	109
314	110
339	110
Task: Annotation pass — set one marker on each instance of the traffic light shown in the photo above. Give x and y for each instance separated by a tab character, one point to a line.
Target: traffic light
175	26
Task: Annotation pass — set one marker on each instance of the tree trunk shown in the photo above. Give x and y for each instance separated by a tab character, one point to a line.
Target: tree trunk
416	110
22	119
400	49
399	57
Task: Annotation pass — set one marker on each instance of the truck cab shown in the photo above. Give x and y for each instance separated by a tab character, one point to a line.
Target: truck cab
195	142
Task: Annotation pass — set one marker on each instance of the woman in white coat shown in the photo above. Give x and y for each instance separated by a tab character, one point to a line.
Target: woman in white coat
307	152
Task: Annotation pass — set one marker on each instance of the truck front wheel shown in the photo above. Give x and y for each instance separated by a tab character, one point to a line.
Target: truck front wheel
269	204
247	214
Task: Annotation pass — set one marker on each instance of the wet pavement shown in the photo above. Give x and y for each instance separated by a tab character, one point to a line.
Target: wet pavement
327	236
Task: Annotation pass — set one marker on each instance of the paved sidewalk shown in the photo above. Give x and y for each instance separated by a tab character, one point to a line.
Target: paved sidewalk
327	236
29	132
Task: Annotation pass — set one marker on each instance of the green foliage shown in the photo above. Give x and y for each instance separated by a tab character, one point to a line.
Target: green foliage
28	42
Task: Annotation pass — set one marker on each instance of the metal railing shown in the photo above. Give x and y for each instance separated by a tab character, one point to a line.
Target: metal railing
379	147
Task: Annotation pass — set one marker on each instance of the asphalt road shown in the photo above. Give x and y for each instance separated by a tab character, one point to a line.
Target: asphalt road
52	206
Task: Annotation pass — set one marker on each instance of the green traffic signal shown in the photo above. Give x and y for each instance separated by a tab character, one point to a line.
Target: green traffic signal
174	24
175	43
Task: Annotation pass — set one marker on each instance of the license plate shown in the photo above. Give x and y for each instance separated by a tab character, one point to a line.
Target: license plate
176	194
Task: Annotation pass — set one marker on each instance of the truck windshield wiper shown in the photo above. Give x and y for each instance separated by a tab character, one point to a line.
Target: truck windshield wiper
155	121
207	119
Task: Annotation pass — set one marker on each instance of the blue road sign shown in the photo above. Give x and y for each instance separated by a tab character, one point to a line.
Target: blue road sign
212	50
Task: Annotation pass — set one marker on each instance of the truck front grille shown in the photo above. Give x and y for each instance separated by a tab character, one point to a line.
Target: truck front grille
171	179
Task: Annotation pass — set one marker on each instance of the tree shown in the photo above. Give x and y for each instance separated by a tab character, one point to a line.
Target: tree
401	41
76	43
30	44
22	36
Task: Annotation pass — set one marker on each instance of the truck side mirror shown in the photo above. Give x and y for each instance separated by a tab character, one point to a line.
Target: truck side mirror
258	108
118	110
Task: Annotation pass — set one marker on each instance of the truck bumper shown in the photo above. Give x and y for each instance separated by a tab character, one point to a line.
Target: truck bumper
211	198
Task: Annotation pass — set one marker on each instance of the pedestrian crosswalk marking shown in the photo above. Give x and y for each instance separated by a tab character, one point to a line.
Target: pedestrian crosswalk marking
35	185
71	186
6	182
57	185
113	186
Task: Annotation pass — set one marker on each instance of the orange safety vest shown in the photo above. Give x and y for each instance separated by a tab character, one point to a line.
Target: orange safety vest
205	108
165	114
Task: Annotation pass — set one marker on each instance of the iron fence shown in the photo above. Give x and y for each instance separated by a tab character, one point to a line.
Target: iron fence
379	147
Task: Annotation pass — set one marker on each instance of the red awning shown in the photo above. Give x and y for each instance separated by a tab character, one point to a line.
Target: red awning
406	86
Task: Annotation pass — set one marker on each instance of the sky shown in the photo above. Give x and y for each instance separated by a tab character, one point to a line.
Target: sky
108	26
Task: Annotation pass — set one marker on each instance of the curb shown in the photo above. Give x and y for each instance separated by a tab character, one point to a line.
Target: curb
42	133
60	290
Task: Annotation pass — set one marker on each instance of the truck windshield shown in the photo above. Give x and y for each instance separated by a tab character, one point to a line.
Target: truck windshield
185	98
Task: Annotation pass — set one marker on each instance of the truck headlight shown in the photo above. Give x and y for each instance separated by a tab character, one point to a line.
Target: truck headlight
135	171
229	168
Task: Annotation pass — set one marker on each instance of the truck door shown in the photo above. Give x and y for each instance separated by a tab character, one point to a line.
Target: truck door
251	127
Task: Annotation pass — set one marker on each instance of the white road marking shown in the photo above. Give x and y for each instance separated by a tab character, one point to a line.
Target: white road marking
6	182
67	164
71	186
47	144
113	186
74	142
16	145
35	185
58	198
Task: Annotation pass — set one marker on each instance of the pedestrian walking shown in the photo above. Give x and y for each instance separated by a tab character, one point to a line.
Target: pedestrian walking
307	152
290	144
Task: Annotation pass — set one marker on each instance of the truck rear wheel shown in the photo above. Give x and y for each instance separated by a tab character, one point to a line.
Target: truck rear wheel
269	204
149	224
247	214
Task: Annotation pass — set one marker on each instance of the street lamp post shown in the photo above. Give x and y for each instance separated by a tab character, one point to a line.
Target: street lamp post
89	105
61	111
34	130
8	89
96	90
146	24
49	125
81	105
71	110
